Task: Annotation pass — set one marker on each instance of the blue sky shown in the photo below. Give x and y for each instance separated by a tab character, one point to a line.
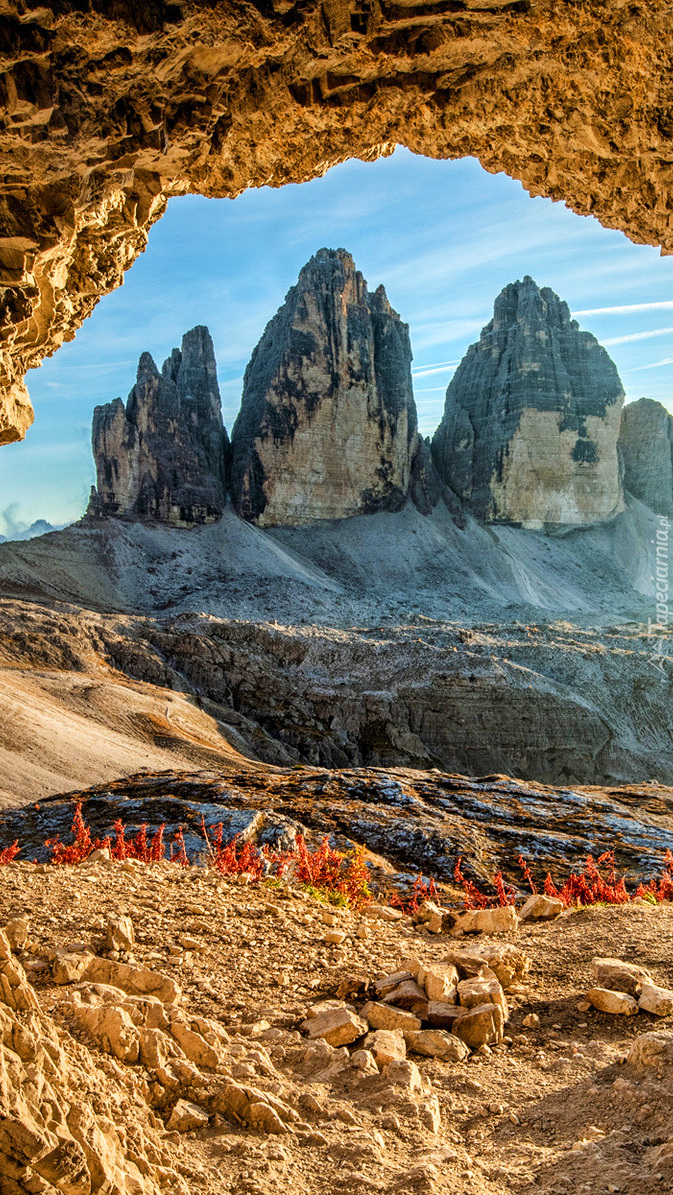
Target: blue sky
443	237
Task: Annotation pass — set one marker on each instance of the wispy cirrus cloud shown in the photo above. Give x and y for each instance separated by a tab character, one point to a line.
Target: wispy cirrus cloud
653	365
627	308
633	336
443	367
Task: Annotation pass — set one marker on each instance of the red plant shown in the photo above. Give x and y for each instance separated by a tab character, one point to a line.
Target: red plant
179	850
589	887
333	872
138	847
343	876
420	890
9	853
473	897
232	858
528	874
506	895
80	848
330	872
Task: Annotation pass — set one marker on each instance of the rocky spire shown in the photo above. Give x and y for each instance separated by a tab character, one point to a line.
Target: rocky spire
327	426
530	426
163	456
646	445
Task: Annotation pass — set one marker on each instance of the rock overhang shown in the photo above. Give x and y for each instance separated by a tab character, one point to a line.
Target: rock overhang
109	113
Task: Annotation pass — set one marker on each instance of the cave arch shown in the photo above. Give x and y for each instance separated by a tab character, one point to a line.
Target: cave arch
111	108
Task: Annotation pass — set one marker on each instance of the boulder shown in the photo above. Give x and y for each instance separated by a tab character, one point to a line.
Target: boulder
386	1046
652	1049
389	982
435	918
68	967
532	416
469	963
482	1025
135	980
16	932
539	907
119	934
364	1061
337	1026
487	921
619	976
112	1028
473	992
508	964
442	1016
387	1016
435	1043
440	981
259	1109
408	995
327	427
656	1000
617	1003
405	1074
185	1116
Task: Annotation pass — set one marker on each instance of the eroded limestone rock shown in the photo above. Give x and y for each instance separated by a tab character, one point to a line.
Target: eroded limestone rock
327	427
532	415
646	444
163	456
108	111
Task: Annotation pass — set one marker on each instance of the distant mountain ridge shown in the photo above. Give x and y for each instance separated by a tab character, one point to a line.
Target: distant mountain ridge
39	527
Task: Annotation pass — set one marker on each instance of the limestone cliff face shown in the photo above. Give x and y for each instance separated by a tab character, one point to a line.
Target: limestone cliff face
327	426
163	456
530	426
646	445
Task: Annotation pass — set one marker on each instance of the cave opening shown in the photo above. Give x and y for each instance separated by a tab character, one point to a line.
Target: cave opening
443	238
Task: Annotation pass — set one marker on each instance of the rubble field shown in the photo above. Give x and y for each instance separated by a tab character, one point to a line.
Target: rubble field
169	1029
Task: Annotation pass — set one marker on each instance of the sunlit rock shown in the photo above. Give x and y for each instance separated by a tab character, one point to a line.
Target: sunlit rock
530	426
327	427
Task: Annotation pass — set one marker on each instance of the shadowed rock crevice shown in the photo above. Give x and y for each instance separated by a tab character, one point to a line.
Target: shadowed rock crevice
110	110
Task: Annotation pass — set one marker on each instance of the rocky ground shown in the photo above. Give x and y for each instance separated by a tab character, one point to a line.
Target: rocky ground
86	697
411	823
378	569
215	991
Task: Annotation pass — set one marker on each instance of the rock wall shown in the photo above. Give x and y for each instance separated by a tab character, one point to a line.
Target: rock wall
327	426
110	109
646	445
163	456
530	425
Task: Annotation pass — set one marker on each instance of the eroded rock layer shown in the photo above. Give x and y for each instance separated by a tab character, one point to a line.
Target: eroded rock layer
327	426
530	425
646	444
110	109
163	456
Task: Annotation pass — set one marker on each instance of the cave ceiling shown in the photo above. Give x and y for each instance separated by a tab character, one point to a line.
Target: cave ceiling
109	109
